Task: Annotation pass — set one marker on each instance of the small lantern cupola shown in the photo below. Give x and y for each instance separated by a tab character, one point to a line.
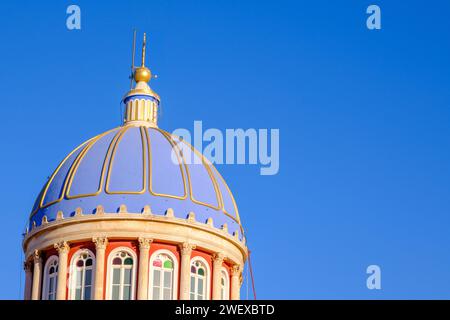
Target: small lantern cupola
141	102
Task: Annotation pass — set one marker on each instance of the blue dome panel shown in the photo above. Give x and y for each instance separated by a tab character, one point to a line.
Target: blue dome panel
166	171
87	175
127	170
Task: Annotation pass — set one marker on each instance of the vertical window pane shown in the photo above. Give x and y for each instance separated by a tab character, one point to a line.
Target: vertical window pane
167	279
156	278
192	284
126	292
87	293
78	277
115	292
116	276
200	286
88	278
78	294
127	277
167	294
156	293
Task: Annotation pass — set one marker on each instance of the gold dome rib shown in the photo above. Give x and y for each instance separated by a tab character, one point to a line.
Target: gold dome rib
214	182
80	158
63	187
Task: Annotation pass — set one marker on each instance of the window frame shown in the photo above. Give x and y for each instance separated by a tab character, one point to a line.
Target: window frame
207	284
174	275
46	282
73	272
226	286
109	273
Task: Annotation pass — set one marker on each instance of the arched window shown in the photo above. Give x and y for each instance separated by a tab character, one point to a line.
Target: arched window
224	285
50	278
121	274
82	275
199	279
163	280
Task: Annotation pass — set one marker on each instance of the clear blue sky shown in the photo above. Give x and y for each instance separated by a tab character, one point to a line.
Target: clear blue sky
364	119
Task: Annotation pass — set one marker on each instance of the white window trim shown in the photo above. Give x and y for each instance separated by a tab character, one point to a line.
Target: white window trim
208	276
175	273
109	273
72	273
227	283
46	277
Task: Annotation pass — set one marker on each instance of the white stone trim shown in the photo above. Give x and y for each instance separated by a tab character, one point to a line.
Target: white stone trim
133	226
224	272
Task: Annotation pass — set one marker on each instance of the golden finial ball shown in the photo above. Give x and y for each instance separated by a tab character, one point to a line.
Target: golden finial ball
142	74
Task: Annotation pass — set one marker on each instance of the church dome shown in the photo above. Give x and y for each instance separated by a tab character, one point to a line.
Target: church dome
137	168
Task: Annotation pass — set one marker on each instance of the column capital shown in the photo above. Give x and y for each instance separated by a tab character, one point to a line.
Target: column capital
186	248
62	247
144	243
235	270
100	242
37	256
218	257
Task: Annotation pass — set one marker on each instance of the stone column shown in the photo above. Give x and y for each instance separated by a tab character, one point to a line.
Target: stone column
27	266
235	282
216	276
63	252
185	274
37	276
100	247
144	247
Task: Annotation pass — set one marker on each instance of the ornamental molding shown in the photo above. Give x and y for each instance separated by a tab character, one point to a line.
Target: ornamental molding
37	257
146	213
100	242
218	258
144	243
236	270
62	247
186	248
